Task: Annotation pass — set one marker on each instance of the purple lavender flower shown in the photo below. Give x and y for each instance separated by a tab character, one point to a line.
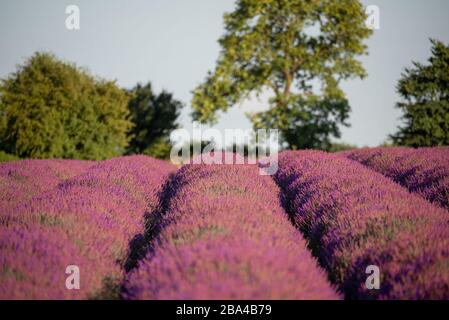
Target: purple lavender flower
424	171
225	236
21	180
354	217
88	221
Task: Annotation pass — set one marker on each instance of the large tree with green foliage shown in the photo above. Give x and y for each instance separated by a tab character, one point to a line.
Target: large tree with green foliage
53	109
154	117
300	50
425	93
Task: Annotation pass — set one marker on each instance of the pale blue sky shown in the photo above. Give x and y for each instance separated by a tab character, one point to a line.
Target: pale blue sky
173	43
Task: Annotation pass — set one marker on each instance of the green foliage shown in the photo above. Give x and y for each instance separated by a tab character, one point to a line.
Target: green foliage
298	49
2	121
308	123
338	147
388	142
4	157
159	148
246	150
53	109
425	93
154	117
190	149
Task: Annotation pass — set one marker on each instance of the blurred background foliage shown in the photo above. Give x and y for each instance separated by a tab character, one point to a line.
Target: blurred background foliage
300	50
53	109
297	50
154	116
425	105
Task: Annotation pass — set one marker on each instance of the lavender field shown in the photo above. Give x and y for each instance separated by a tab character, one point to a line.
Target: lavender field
141	228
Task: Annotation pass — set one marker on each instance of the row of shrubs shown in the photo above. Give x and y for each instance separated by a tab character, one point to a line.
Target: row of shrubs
90	221
424	171
139	229
354	217
224	235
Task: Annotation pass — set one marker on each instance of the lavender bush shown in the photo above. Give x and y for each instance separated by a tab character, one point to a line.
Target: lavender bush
88	221
424	171
354	217
225	236
21	180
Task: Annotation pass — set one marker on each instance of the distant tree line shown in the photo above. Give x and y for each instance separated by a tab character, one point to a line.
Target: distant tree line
50	108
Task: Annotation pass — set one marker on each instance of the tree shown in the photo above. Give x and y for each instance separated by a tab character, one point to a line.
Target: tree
425	93
300	50
2	121
53	109
154	117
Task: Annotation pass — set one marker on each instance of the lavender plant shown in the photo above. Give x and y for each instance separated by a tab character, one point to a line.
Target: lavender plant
354	217
225	236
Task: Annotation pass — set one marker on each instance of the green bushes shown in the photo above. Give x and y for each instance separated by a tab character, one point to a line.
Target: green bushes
53	109
424	89
154	117
4	157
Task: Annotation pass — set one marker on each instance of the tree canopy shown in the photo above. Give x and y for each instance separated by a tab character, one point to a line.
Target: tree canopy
300	50
425	101
53	109
154	117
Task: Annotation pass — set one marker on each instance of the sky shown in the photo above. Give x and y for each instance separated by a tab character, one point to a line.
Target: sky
173	43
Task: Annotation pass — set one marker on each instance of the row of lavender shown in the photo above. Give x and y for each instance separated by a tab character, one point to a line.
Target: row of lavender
354	217
224	235
21	180
88	221
424	171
